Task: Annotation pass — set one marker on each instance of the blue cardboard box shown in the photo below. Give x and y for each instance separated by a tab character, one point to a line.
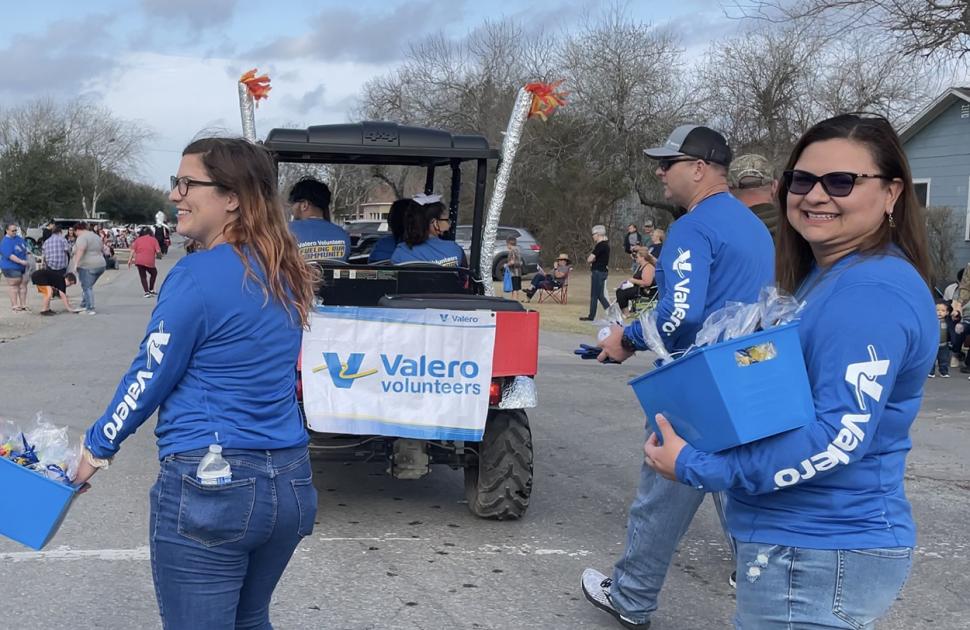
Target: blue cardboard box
721	396
34	505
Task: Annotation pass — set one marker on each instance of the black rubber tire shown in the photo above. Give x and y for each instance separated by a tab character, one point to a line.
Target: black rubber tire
498	268
499	483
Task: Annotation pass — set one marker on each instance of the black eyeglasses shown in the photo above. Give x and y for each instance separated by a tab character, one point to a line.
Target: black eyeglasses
836	184
448	219
665	164
183	184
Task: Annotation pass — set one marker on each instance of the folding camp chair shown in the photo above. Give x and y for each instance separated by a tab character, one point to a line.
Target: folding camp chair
557	294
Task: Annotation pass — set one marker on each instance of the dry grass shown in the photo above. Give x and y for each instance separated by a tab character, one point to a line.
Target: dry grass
565	318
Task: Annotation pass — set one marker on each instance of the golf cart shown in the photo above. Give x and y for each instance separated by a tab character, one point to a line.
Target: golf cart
361	302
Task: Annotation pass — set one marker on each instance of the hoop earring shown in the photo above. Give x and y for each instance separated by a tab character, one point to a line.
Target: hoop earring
892	221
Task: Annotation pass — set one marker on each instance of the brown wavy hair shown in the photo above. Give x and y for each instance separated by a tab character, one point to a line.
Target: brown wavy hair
794	258
260	230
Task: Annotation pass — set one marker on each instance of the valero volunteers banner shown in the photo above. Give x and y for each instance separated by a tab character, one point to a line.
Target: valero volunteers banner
420	373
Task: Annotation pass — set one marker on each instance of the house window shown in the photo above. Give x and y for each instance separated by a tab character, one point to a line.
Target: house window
922	189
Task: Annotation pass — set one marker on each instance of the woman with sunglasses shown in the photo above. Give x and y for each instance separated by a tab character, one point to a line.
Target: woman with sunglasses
425	221
824	531
218	361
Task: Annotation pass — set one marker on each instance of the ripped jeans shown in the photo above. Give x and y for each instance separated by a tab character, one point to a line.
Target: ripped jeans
780	588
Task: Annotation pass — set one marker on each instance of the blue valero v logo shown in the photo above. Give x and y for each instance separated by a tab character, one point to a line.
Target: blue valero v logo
343	374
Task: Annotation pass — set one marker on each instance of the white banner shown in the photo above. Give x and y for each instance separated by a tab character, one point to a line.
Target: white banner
415	373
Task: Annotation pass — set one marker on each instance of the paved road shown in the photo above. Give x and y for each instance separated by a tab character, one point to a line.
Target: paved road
406	555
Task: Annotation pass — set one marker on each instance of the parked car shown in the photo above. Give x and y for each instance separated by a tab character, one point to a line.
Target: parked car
527	243
363	236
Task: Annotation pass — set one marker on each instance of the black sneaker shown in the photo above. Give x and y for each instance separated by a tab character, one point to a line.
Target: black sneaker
596	588
733	579
585	319
47	313
964	369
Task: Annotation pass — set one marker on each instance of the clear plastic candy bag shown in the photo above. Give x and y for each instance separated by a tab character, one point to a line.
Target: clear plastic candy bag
777	307
44	448
715	324
651	335
734	319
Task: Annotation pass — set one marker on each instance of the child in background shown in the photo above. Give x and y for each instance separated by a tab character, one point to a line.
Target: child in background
514	265
946	332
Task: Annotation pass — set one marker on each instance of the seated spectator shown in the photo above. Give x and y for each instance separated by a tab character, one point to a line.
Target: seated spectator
657	238
549	281
317	237
49	282
644	279
425	221
384	248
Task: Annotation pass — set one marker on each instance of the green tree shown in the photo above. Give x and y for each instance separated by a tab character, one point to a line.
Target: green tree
35	183
126	201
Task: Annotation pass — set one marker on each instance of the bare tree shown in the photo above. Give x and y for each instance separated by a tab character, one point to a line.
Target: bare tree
101	144
627	86
941	225
765	87
916	28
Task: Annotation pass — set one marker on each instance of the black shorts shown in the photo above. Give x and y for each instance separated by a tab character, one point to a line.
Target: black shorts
516	283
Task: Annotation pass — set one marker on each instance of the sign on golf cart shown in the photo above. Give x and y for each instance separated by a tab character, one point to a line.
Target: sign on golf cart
422	374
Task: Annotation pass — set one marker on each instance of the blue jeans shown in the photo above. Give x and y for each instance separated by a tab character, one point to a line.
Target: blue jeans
597	291
218	551
786	587
87	278
659	516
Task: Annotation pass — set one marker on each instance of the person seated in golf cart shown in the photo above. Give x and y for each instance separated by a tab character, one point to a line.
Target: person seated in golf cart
384	247
317	237
425	220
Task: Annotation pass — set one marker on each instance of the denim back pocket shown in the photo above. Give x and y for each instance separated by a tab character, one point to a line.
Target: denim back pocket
216	515
306	501
869	581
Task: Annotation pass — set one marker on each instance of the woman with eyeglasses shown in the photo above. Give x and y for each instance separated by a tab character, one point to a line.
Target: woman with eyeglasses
425	221
824	531
13	266
218	362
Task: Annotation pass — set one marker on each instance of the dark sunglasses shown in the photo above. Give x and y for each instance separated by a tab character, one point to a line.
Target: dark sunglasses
665	164
836	184
182	184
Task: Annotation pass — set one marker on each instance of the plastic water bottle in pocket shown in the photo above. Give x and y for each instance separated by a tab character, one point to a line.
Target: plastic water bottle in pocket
213	469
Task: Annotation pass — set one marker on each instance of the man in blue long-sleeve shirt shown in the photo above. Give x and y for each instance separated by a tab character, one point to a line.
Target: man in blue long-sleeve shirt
718	252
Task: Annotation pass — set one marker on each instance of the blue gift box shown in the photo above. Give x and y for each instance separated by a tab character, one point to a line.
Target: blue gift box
34	505
721	396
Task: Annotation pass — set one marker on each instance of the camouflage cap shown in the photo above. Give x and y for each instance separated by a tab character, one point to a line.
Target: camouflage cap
751	170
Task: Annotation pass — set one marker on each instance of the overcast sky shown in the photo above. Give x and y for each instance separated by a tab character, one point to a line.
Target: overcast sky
173	64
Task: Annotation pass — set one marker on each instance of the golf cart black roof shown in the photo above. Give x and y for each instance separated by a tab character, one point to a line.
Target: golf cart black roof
375	142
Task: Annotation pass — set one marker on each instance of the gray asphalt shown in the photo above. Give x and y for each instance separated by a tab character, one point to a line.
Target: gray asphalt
398	554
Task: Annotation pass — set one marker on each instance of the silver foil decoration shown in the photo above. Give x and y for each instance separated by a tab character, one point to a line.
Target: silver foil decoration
510	144
519	393
247	109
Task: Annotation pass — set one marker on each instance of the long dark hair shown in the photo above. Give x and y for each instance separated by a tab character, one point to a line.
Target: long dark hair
418	219
396	217
794	258
248	170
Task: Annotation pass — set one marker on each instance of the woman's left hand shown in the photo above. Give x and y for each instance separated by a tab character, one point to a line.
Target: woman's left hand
663	458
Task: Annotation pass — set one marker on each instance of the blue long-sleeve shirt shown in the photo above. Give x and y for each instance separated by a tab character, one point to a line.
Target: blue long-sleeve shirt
217	359
869	335
718	252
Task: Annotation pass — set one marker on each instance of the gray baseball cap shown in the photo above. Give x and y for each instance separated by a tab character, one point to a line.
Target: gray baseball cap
694	141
